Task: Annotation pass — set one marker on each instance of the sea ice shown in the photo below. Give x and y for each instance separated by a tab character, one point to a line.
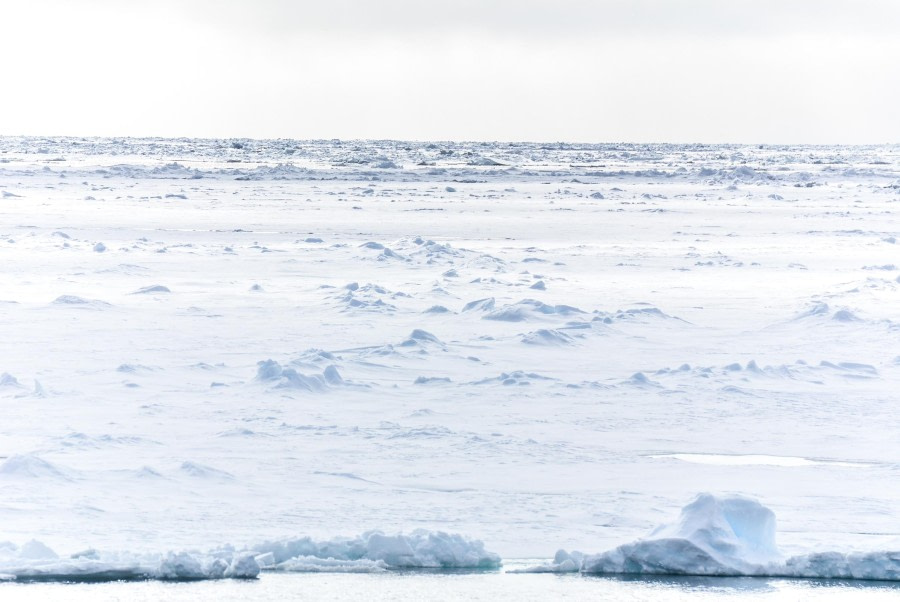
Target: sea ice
155	425
724	536
419	549
713	536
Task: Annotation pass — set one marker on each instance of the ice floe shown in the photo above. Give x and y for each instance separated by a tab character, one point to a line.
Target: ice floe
370	552
34	561
374	550
724	536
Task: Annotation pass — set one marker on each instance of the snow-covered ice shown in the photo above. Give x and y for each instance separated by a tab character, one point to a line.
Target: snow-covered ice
370	552
212	344
723	536
713	536
376	551
34	561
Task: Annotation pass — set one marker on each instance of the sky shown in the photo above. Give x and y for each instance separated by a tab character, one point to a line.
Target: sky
747	71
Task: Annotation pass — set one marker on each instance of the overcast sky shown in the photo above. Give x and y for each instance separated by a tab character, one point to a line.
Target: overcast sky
817	71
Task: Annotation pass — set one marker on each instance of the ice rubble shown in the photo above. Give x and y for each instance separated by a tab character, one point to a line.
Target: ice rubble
526	309
723	536
547	337
370	552
270	371
713	536
35	561
374	551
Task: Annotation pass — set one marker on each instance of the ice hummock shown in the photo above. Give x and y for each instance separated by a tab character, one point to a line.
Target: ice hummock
270	371
727	536
713	536
563	562
374	551
371	552
34	561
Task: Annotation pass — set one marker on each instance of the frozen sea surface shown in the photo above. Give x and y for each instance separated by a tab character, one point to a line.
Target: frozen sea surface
216	342
485	586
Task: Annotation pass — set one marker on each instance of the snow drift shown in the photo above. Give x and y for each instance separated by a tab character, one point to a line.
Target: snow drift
270	371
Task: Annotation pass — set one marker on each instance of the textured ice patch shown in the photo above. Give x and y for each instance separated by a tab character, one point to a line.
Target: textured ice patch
882	566
34	561
817	309
27	466
431	380
436	309
421	338
757	460
529	309
202	471
851	369
75	301
312	564
713	536
547	337
637	314
156	288
516	377
419	549
563	562
724	536
270	371
844	315
8	380
479	305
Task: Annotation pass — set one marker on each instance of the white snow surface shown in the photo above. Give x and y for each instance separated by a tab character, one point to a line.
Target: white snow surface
558	346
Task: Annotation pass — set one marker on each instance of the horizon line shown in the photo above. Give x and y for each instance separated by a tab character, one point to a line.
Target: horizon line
445	140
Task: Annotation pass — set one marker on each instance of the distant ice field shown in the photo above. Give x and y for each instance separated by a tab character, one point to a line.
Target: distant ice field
212	342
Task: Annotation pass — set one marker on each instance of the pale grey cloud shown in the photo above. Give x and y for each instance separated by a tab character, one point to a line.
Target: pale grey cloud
644	70
548	17
564	18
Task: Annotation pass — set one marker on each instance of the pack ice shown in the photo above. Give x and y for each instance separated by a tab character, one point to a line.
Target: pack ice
212	344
